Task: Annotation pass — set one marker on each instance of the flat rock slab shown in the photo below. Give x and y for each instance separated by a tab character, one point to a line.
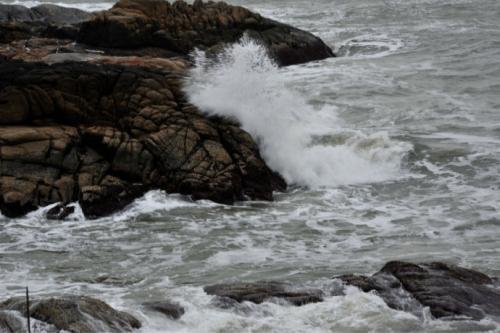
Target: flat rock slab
76	314
448	291
260	292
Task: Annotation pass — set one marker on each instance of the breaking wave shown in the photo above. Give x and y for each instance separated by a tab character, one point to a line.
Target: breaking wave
307	145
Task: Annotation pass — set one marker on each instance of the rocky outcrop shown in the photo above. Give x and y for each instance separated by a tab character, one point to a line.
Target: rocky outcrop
105	131
180	28
104	120
449	291
160	28
259	292
76	314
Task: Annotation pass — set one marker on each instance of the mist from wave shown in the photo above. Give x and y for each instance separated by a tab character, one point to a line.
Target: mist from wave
309	146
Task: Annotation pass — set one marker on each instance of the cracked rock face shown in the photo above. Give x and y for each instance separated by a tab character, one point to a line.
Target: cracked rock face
104	133
449	291
104	120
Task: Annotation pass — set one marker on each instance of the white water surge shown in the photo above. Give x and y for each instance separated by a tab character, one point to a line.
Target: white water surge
414	91
307	145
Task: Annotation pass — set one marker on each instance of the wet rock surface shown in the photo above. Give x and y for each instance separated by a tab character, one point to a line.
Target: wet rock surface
180	28
158	28
169	309
19	22
104	120
259	292
76	314
449	291
104	133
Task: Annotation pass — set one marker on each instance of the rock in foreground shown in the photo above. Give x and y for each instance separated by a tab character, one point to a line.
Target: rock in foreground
76	314
259	292
104	132
448	291
104	120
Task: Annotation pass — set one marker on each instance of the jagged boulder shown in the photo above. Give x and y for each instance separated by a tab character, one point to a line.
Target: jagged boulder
103	121
180	28
76	314
259	292
105	131
448	290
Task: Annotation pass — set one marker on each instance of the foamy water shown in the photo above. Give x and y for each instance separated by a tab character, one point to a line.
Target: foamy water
392	149
308	147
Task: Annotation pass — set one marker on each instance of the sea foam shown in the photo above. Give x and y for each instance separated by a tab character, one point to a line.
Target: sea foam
308	146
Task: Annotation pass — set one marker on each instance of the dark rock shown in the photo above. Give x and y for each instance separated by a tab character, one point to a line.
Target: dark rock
171	310
449	291
59	15
104	131
19	22
11	13
47	13
263	291
180	28
103	122
60	212
77	314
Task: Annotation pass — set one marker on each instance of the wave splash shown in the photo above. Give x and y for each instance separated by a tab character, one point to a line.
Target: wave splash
306	145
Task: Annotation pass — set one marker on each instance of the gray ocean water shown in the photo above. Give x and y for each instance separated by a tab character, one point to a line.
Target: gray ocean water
393	149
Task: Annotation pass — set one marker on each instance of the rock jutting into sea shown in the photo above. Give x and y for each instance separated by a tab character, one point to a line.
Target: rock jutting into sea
93	110
449	291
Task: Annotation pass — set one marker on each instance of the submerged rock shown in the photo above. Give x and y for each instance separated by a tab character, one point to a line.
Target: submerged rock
448	291
259	292
11	322
171	310
76	314
180	28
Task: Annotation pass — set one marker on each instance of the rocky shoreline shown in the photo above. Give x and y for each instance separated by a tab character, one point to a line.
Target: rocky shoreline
449	292
93	110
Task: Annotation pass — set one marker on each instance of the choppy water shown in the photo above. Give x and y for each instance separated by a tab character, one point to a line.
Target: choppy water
396	146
